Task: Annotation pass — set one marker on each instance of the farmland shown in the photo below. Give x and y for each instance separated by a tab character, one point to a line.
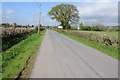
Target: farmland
59	40
109	33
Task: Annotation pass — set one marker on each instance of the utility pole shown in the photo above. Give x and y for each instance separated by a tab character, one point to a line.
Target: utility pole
43	21
39	6
39	16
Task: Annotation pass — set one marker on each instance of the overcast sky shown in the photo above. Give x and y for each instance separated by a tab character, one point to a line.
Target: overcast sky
91	11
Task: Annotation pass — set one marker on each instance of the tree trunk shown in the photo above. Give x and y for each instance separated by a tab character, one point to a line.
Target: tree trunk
62	24
65	25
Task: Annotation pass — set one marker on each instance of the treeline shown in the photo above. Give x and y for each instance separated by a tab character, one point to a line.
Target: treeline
14	25
94	27
98	27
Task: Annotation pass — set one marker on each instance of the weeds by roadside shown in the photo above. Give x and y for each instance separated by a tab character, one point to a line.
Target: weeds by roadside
16	59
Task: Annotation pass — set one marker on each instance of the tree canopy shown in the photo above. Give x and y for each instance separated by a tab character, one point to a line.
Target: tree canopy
67	14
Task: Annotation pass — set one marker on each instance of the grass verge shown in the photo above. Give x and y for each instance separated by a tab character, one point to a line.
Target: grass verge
113	52
11	40
17	61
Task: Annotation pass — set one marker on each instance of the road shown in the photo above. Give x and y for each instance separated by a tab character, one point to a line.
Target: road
62	57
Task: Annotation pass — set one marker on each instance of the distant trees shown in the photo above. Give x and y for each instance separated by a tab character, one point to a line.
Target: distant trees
6	25
114	28
18	26
66	14
14	25
32	25
94	27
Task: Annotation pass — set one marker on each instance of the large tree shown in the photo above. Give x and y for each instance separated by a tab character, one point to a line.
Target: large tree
67	14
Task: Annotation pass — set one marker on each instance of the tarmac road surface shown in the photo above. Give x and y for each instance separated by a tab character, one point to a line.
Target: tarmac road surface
62	57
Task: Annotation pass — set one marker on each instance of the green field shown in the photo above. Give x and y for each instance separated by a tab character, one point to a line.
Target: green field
109	33
19	57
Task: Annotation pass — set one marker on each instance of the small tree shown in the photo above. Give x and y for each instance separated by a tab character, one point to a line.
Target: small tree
81	25
32	26
15	24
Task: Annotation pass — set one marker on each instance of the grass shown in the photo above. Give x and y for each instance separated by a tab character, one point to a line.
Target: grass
109	33
19	57
0	67
10	40
103	48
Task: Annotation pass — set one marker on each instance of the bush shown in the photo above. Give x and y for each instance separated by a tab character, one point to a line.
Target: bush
106	40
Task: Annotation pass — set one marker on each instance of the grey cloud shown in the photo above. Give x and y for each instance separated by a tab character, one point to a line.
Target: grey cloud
101	12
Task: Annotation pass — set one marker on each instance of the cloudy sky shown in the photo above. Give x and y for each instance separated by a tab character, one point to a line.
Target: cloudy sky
97	11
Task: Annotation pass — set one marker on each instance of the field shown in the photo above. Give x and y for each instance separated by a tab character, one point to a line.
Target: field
17	58
109	33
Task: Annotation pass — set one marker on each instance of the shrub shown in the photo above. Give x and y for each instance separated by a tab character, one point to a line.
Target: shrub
106	40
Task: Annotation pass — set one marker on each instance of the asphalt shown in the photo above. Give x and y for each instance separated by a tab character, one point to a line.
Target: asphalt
63	57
